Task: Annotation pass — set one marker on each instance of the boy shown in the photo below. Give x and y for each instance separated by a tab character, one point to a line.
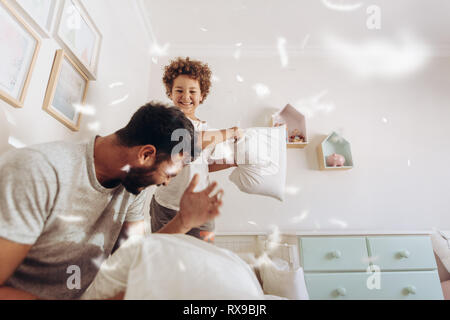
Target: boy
187	84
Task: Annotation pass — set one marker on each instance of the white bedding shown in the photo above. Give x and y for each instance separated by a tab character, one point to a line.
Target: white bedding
174	267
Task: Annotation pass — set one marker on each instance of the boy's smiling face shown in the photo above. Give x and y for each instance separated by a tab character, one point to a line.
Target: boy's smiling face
186	94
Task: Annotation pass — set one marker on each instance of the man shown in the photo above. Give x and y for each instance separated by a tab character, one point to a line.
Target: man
64	205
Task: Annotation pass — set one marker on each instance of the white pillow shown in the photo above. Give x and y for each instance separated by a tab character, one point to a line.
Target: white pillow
178	266
112	277
222	151
261	159
253	262
278	280
248	257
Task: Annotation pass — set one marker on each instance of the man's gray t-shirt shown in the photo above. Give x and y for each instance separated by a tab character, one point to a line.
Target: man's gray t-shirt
50	198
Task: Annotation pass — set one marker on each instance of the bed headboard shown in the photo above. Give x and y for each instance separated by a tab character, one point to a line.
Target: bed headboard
285	248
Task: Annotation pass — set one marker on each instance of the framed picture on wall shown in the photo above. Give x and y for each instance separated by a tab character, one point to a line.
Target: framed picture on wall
39	13
78	35
66	91
19	47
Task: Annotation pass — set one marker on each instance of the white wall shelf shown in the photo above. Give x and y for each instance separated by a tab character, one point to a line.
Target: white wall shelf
294	120
334	143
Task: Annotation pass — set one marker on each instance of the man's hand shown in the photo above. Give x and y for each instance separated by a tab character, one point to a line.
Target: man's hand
197	208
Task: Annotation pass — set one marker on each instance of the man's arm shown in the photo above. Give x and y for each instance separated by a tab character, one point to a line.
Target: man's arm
28	189
174	226
196	208
11	255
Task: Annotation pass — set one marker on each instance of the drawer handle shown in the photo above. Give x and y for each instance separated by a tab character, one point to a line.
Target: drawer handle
341	292
336	254
404	254
410	290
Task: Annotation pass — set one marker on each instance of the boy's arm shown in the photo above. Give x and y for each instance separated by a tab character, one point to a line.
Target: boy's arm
11	255
214	137
217	167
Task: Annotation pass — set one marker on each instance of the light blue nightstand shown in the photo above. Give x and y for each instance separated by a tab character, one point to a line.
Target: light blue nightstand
369	267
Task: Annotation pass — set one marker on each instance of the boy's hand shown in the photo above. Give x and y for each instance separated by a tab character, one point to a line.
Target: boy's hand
197	208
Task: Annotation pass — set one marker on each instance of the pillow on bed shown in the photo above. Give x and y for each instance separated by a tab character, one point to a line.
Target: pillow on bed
261	159
112	277
280	281
178	266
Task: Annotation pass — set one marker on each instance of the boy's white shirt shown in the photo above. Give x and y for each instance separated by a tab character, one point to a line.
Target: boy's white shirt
169	196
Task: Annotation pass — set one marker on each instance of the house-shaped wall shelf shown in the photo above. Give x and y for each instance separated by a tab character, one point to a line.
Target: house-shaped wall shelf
294	120
334	144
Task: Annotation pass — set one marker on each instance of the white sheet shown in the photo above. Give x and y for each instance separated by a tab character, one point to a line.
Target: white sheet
174	267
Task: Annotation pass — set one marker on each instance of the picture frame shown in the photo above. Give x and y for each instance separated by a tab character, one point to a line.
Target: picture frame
19	48
77	33
40	14
66	91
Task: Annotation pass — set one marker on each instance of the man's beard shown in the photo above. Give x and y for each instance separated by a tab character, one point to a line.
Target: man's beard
138	178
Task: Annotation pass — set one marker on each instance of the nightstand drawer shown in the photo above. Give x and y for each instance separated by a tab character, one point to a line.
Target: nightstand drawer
402	253
411	285
337	286
333	254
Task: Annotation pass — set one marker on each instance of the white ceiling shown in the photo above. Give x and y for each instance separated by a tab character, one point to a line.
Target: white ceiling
216	26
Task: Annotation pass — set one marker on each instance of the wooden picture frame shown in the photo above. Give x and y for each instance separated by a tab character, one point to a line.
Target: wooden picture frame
40	14
66	91
19	47
78	35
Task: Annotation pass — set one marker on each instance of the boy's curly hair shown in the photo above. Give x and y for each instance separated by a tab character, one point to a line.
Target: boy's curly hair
192	68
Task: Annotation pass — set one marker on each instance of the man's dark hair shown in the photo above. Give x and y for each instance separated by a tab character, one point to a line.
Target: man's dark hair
154	124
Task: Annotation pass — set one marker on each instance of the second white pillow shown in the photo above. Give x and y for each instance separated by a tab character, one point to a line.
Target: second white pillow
261	159
278	280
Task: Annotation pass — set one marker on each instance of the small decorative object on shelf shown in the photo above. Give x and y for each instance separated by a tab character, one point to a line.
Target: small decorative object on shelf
296	136
292	118
335	160
334	153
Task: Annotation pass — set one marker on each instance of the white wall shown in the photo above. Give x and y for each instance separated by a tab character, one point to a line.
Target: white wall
124	58
397	127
